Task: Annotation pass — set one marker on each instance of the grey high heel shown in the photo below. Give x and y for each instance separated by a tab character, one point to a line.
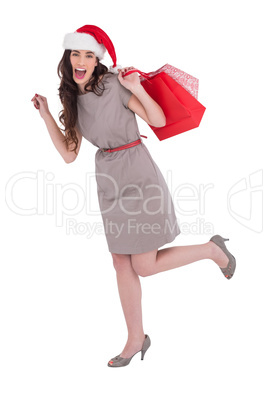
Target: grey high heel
228	271
119	361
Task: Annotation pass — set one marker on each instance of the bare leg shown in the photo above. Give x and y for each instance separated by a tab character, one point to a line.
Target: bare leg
128	267
129	288
156	261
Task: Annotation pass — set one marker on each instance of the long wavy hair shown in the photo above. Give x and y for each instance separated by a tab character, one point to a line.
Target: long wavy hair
68	91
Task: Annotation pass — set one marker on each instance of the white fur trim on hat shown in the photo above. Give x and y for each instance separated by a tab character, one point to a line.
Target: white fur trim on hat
114	70
83	41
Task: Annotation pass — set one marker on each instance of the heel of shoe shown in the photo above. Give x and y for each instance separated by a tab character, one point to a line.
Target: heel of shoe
143	353
146	345
219	240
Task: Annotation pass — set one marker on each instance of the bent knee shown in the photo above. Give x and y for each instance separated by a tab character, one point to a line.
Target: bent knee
142	267
144	271
121	262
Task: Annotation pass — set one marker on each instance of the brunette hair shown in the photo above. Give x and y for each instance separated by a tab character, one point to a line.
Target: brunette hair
68	91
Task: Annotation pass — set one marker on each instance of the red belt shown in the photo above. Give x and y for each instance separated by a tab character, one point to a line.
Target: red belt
131	144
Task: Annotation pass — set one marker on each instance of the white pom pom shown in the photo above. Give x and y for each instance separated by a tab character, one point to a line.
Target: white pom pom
114	70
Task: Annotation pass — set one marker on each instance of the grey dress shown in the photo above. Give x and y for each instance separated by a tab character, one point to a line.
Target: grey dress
135	203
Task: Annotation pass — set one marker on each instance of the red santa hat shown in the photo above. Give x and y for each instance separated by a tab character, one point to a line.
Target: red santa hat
91	37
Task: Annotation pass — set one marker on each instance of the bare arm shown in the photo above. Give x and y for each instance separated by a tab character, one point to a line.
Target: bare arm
55	133
140	102
58	139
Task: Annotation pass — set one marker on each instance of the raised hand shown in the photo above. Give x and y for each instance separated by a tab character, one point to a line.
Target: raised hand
131	81
40	103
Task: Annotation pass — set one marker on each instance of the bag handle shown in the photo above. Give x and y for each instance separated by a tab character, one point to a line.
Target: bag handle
144	75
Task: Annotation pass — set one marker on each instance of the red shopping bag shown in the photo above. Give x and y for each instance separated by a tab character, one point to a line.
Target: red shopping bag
176	92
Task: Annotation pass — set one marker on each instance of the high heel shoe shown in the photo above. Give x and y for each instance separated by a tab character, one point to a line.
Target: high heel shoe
119	361
228	271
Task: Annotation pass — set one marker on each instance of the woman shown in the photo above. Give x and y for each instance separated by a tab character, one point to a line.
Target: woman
135	203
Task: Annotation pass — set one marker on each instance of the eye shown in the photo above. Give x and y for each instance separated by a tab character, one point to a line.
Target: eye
90	56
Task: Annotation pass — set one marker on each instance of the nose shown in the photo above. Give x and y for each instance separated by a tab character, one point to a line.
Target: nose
81	61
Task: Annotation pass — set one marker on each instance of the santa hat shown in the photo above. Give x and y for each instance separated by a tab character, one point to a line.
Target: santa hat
90	37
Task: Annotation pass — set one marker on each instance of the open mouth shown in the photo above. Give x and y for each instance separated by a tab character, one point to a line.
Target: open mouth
80	73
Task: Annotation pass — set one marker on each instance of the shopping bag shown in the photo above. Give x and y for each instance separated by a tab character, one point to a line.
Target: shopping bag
176	92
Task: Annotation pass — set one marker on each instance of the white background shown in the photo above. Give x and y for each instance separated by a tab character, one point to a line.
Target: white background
61	318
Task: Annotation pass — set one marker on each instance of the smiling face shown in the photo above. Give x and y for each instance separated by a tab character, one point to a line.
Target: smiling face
83	63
